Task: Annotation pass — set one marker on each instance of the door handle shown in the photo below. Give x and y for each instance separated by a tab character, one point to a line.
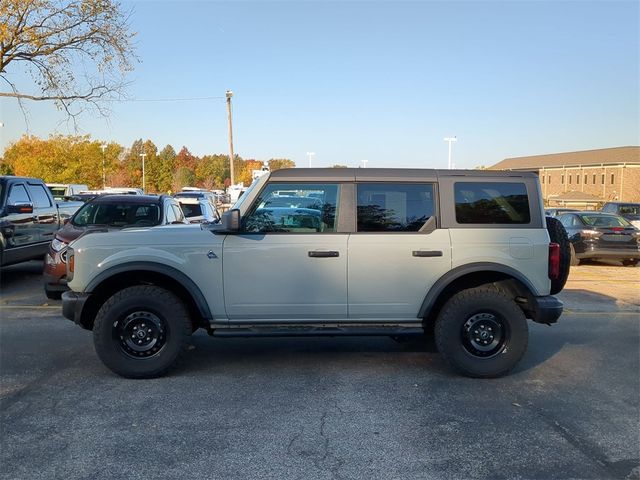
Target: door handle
324	254
427	253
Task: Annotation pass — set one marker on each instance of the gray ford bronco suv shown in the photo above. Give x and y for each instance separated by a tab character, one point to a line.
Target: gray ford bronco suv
467	256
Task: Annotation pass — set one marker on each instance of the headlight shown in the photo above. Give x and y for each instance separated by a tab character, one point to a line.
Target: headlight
58	245
636	223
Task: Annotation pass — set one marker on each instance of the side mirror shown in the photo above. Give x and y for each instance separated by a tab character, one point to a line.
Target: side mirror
229	223
20	208
231	220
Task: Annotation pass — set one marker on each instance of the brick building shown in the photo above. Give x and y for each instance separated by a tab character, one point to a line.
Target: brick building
584	179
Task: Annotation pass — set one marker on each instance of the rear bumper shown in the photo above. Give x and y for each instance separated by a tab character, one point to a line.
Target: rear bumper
545	309
613	253
72	305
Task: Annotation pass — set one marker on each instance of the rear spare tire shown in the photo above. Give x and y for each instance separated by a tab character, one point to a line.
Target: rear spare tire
558	235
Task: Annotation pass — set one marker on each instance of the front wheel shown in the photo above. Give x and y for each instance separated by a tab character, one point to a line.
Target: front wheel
630	263
481	332
141	331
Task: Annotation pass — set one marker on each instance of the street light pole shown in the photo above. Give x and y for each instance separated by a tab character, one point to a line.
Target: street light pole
103	147
311	155
143	155
229	95
450	140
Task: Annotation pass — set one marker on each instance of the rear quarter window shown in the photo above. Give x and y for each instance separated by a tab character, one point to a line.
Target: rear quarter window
491	203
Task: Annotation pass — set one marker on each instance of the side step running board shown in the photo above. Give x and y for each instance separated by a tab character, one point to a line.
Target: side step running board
301	331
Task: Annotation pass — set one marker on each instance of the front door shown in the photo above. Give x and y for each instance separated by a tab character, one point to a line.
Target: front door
288	263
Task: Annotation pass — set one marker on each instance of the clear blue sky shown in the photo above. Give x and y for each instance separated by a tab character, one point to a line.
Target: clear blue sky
383	81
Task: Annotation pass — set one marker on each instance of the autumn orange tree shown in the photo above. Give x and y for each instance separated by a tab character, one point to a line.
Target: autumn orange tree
63	159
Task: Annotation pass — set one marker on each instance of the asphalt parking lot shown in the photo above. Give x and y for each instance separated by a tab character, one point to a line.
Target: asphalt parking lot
341	408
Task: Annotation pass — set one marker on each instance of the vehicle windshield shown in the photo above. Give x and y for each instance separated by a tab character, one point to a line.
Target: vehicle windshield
605	221
245	195
117	215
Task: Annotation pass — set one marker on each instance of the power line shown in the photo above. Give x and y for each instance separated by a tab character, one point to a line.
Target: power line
185	99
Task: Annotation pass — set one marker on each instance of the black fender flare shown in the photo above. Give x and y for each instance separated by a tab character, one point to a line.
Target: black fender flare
174	273
445	280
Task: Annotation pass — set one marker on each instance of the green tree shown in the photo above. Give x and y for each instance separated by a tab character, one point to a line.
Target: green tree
212	170
166	167
184	177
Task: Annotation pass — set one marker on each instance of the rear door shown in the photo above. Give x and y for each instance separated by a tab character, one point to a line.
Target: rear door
45	212
396	253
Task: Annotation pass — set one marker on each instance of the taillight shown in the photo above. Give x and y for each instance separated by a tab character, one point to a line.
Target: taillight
554	261
590	234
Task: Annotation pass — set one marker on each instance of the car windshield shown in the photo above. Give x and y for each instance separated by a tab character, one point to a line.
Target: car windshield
605	221
117	215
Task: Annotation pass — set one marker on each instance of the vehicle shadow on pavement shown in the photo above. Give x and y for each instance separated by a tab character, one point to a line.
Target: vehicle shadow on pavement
582	300
213	354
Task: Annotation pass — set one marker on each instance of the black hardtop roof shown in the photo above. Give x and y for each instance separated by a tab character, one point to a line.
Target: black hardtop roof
127	199
386	174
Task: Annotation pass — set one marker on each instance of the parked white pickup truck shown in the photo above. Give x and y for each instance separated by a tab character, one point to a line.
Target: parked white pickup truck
332	252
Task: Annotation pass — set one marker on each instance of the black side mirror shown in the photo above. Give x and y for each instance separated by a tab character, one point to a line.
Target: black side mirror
20	208
231	220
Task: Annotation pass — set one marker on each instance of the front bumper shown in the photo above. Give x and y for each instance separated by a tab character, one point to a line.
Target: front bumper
72	305
545	309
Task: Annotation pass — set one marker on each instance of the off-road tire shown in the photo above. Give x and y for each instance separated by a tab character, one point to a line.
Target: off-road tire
558	235
451	332
134	304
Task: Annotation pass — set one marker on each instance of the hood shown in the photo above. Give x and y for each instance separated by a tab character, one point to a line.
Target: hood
161	235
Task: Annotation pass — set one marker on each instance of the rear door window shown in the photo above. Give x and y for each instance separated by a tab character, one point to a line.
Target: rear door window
491	203
394	207
39	195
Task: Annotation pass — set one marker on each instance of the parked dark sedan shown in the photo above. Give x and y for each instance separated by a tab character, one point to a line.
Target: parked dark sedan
596	235
101	214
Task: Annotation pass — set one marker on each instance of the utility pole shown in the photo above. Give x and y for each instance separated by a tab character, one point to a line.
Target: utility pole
364	163
103	147
450	140
143	155
229	95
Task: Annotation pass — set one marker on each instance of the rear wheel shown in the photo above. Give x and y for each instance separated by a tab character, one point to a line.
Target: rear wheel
481	332
630	263
141	331
558	235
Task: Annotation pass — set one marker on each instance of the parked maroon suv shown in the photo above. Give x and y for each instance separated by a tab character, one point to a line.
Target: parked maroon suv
104	213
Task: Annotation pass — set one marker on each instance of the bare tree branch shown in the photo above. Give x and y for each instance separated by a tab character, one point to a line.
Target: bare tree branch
51	39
